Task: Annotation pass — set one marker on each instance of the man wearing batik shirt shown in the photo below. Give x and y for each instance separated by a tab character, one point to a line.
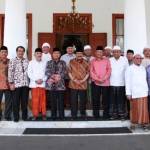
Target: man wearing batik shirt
36	73
119	65
78	73
56	71
4	86
100	71
19	82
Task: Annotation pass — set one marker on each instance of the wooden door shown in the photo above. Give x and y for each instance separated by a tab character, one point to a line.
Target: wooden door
62	40
96	39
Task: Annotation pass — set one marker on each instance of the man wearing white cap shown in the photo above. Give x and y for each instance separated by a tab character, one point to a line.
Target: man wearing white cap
137	92
107	51
88	53
46	52
146	60
78	73
117	84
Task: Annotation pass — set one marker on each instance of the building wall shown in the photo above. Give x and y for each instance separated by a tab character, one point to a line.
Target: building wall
2	6
43	10
148	19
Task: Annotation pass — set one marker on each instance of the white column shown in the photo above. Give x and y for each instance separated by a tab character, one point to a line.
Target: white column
147	2
135	25
15	25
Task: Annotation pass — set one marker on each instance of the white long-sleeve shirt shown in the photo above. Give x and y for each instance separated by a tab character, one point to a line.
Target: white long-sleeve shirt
46	57
119	67
36	71
135	80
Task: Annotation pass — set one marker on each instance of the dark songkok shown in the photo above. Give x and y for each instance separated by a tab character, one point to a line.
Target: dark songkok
130	51
38	50
69	45
56	49
79	49
99	48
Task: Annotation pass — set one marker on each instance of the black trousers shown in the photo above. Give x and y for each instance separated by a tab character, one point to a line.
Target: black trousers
57	103
20	96
117	101
128	108
82	95
67	94
100	94
8	103
149	104
48	100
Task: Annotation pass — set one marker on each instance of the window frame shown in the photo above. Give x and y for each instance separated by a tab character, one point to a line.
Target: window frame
114	18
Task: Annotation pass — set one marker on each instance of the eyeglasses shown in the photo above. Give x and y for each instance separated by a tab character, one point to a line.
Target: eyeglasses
138	58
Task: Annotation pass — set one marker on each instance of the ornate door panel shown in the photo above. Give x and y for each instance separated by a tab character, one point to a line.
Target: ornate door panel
61	24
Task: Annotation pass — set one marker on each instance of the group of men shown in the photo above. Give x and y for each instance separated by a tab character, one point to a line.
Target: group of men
116	83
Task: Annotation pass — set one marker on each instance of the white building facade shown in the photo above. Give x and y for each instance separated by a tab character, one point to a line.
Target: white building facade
137	20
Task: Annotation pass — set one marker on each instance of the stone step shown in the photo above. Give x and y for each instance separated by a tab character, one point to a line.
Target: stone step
63	124
12	128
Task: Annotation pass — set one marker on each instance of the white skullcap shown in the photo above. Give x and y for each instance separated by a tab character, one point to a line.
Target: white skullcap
138	54
147	47
87	47
116	47
46	45
107	47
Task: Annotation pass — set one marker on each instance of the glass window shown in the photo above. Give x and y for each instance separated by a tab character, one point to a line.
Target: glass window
118	30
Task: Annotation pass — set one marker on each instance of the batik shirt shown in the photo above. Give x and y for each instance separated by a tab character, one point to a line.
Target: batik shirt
56	67
78	69
4	74
17	72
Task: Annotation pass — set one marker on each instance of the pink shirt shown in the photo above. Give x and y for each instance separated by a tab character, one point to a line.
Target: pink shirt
100	69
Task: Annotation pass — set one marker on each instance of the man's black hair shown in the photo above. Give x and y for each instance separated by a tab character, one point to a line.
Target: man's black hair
130	51
21	48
